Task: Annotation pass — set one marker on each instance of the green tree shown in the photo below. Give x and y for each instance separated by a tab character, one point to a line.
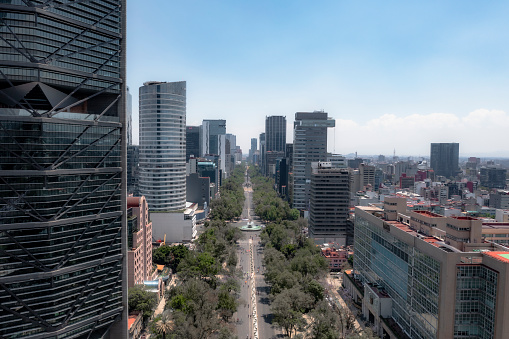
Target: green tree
315	289
139	299
196	316
170	256
199	265
227	304
287	313
324	324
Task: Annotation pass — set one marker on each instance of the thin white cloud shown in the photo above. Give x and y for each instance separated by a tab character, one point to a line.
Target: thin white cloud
481	132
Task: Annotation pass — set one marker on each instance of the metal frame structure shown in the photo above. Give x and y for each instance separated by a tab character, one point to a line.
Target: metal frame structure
62	155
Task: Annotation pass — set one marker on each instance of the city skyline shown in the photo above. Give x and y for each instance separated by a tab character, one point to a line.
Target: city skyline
435	72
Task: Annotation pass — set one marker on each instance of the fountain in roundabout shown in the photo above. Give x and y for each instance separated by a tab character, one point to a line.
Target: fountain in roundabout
250	227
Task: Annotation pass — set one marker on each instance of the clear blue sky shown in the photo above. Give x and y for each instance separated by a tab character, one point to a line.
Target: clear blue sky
394	74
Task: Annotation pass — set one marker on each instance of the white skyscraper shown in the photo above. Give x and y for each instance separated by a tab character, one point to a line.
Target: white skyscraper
163	145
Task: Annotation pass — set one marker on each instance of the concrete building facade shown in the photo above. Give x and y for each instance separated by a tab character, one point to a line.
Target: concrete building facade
139	241
329	204
309	145
448	284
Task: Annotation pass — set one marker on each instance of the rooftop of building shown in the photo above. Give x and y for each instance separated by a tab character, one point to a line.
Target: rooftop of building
495	225
429	214
437	242
379	291
432	240
463	218
132	319
498	255
330	252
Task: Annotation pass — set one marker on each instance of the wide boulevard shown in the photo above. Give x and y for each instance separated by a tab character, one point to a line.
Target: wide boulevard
254	316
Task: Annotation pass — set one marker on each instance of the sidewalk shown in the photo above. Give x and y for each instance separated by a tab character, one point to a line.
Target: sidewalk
334	285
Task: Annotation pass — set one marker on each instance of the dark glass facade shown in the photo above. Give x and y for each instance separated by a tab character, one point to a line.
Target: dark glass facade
192	142
444	159
275	134
133	170
62	189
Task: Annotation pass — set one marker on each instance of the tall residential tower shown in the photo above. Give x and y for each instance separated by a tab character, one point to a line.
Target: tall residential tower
62	154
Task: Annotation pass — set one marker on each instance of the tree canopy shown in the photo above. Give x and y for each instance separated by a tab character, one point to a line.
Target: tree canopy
140	299
203	304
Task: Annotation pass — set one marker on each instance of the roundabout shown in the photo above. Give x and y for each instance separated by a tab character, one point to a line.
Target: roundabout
250	227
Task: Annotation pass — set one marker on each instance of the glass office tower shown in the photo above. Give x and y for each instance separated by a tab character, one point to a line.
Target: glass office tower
62	151
444	159
163	145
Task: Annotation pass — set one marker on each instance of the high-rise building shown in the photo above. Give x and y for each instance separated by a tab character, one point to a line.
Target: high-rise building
192	142
329	203
281	178
62	154
162	145
275	134
499	199
262	150
211	130
232	138
367	175
289	156
444	159
493	177
133	170
275	142
309	145
253	149
129	117
423	275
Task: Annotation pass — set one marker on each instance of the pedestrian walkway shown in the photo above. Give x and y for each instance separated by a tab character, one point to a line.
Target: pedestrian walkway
334	285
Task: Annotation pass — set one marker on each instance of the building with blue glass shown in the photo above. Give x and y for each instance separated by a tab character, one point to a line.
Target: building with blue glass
62	184
421	275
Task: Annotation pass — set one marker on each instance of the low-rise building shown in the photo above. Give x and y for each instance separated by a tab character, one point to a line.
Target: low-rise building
175	226
335	257
135	325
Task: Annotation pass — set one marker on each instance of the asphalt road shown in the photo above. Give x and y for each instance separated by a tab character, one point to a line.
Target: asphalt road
254	312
